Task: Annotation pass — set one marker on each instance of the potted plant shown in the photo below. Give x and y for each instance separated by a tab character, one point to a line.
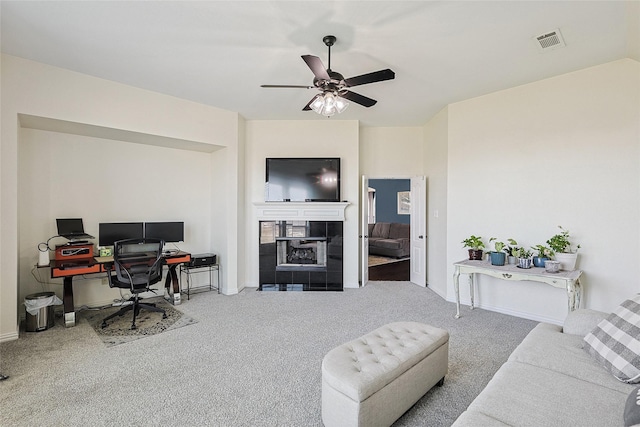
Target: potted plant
564	251
524	257
498	257
544	253
475	245
511	247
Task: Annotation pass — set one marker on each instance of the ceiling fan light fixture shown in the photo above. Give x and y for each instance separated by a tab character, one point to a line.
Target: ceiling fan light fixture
317	103
328	104
341	104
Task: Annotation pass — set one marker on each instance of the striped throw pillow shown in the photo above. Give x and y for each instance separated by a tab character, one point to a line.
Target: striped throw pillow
615	342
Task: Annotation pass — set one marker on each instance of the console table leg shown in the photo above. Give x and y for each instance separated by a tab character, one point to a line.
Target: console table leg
456	287
471	288
574	293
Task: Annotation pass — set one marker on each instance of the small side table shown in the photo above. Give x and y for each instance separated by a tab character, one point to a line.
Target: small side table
189	270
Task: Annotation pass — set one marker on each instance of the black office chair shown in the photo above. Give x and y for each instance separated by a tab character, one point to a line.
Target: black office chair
137	264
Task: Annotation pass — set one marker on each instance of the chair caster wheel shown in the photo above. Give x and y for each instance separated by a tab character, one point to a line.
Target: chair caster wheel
104	325
133	327
164	316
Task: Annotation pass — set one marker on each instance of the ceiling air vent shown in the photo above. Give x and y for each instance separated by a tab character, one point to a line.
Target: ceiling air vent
549	41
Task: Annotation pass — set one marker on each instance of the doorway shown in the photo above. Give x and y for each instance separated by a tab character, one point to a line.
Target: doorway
389	258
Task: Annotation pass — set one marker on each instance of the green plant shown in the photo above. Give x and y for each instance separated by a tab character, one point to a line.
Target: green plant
473	242
560	242
522	253
543	251
512	246
499	246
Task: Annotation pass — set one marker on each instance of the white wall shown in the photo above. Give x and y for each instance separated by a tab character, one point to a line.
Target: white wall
562	151
58	95
391	152
325	138
436	134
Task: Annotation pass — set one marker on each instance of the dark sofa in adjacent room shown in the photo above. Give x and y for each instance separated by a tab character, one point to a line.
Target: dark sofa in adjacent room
389	239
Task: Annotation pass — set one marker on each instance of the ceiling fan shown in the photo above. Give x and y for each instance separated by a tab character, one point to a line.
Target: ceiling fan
334	87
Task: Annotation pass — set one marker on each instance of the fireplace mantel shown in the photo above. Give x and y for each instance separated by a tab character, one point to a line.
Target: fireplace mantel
302	211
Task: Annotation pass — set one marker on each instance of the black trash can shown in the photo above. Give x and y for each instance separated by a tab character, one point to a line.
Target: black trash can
44	318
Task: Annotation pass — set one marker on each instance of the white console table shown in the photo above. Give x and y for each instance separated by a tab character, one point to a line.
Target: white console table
569	280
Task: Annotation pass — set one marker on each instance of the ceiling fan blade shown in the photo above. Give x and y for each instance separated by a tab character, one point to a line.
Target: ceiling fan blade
288	86
357	98
376	76
308	106
316	66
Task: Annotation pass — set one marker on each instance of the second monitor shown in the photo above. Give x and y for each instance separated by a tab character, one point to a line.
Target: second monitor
109	232
170	232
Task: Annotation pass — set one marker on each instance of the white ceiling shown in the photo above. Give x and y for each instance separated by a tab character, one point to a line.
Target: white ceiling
220	52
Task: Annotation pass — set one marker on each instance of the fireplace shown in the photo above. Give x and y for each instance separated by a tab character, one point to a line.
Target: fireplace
300	255
295	253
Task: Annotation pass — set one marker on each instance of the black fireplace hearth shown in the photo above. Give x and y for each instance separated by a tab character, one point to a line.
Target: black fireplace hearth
300	256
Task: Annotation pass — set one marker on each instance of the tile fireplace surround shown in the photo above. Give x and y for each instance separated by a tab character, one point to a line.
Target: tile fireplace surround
300	246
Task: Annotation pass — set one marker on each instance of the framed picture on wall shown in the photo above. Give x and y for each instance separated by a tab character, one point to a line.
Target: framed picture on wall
404	202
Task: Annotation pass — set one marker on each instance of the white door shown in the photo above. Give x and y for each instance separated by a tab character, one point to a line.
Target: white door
419	231
364	231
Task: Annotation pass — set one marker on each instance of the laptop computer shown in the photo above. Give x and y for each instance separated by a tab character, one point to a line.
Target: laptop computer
72	229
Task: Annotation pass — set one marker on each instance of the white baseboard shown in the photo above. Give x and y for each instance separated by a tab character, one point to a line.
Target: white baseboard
438	292
10	336
465	310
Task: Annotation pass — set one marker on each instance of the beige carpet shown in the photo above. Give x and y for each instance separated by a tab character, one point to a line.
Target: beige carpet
118	330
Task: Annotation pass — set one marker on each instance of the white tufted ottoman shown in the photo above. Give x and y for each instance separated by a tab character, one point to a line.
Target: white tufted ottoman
373	380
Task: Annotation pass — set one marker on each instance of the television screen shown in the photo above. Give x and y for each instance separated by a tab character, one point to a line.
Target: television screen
302	180
170	232
110	232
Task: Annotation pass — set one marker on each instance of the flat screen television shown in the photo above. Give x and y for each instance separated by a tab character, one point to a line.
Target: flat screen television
109	232
170	232
302	180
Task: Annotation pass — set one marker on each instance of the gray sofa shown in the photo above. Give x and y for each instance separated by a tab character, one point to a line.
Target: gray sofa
389	239
549	380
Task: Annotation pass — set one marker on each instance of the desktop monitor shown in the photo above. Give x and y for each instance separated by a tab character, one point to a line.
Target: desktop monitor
170	232
110	232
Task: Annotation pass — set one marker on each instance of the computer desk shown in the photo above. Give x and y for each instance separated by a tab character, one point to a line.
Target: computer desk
67	270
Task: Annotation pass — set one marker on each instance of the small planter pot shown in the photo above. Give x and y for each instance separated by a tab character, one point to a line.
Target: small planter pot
539	261
512	260
552	266
475	254
525	262
498	258
567	261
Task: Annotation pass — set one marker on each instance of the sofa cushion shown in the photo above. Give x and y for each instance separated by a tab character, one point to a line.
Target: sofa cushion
381	229
387	243
399	231
524	395
548	348
615	341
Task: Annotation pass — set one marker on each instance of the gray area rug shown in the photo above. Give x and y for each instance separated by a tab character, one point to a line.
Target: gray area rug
253	359
118	330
